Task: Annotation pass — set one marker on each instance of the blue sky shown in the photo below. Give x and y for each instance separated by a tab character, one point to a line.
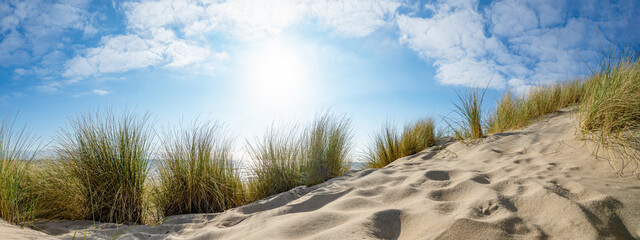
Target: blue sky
250	63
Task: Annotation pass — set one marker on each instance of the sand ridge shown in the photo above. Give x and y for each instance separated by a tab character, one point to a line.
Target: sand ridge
534	183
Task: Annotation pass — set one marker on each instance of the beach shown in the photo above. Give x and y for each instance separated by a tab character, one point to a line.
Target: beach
538	182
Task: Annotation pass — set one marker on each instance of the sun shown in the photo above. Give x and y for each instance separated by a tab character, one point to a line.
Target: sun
278	73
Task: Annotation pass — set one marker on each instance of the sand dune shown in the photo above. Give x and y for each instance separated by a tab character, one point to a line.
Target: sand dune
534	183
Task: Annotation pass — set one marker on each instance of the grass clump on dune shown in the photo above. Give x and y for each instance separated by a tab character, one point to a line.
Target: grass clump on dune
513	112
287	159
61	194
384	149
196	172
103	165
388	145
16	201
610	108
470	110
277	165
417	136
326	148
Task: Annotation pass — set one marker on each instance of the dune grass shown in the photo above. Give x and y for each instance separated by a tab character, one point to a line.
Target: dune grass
277	163
469	109
290	158
327	147
417	136
16	201
513	112
196	173
610	108
384	149
388	145
101	170
61	194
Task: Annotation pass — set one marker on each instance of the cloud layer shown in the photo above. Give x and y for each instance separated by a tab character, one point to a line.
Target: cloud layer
507	43
153	28
515	43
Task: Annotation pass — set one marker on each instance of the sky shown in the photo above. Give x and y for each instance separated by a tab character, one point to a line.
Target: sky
251	64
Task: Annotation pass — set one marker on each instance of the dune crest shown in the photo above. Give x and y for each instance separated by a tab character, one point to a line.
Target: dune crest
534	183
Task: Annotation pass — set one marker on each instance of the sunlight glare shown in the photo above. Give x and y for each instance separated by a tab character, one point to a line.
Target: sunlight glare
278	74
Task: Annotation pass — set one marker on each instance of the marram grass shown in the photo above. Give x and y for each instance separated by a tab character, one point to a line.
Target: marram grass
513	112
417	136
326	147
610	109
277	163
469	108
388	145
384	149
286	158
197	173
102	168
16	202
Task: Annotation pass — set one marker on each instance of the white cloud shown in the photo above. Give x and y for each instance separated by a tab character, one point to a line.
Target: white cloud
122	53
101	92
13	50
515	43
152	25
49	87
454	39
31	32
251	19
510	18
355	18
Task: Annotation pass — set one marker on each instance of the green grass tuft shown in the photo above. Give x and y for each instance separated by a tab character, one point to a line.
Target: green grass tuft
610	108
326	148
196	172
470	110
417	136
16	201
287	159
513	112
101	171
388	145
277	163
384	149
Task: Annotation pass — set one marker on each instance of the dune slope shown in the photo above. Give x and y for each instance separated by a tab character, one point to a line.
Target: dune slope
533	183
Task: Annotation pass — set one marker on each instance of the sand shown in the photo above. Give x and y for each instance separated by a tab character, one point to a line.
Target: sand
534	183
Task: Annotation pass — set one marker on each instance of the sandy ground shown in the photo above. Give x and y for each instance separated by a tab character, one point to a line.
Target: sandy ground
534	183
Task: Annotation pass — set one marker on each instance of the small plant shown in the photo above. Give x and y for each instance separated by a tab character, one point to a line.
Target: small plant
16	200
197	173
